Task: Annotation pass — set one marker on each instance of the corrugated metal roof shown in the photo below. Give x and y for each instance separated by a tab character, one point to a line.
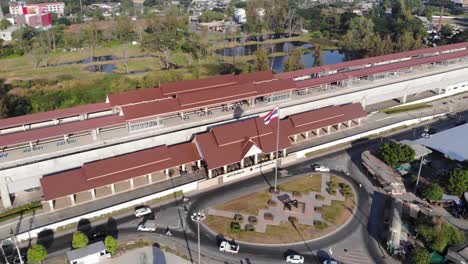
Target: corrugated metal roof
451	142
51	115
138	96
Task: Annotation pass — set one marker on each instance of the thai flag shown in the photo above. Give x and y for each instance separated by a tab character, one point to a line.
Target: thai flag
271	116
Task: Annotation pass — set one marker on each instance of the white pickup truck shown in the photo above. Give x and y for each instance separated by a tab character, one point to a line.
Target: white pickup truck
147	226
229	247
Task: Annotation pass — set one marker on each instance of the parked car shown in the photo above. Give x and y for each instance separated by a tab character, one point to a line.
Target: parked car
229	247
147	226
320	168
295	259
142	210
284	173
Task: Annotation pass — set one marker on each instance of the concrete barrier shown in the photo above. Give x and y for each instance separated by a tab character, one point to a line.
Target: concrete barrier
205	184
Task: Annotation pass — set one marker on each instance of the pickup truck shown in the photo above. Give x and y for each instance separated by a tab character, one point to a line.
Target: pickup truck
228	247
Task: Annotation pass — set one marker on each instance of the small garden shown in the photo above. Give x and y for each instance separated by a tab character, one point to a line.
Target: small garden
246	223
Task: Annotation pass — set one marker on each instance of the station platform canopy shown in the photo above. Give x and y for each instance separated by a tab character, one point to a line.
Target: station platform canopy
453	142
419	149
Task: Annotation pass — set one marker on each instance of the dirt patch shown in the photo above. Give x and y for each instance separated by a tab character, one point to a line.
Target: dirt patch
249	204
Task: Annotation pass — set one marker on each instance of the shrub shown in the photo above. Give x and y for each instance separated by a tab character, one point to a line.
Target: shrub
253	219
433	192
319	197
238	217
272	203
458	182
111	244
320	225
318	209
80	240
440	234
296	194
37	253
420	256
268	216
249	228
235	227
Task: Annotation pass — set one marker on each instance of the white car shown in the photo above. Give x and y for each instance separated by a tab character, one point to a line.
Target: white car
141	211
320	168
295	259
148	226
284	173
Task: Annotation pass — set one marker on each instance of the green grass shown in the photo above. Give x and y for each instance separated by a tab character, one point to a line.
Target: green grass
307	184
406	108
21	210
333	212
249	204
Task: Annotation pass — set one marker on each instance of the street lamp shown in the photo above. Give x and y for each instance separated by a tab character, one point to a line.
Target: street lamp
198	217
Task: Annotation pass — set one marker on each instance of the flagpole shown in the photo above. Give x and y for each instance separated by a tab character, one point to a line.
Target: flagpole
277	150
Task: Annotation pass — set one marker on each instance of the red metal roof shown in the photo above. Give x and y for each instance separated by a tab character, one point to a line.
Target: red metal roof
227	144
120	168
59	130
180	87
51	115
149	109
372	60
379	69
320	118
137	96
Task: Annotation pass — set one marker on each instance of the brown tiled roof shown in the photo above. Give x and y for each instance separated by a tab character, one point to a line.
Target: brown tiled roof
320	118
181	87
57	131
206	98
372	60
227	144
137	96
51	115
115	169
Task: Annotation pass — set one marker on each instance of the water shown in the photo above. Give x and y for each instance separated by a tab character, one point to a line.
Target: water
99	59
247	50
328	57
105	68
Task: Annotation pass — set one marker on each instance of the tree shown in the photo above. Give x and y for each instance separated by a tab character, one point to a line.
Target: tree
318	60
387	44
458	182
433	192
37	253
294	61
378	48
262	62
405	41
276	14
164	33
208	16
111	244
92	36
4	24
359	35
80	240
421	256
395	154
438	234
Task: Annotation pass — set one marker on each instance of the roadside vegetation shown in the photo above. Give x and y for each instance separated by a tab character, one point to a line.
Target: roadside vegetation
406	108
20	211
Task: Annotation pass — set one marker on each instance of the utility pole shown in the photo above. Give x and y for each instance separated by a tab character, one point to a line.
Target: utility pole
3	253
419	174
13	238
198	217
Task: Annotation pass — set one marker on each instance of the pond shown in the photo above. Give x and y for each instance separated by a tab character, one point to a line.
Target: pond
328	57
99	59
248	50
110	68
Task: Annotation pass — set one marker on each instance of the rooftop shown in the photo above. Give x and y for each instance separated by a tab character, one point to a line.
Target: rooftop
86	251
451	142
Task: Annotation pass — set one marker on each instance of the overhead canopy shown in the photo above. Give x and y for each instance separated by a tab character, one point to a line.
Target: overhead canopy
452	142
419	149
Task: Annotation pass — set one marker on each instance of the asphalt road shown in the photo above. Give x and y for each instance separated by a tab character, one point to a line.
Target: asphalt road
364	228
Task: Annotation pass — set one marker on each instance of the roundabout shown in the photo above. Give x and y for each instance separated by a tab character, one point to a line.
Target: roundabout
305	208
